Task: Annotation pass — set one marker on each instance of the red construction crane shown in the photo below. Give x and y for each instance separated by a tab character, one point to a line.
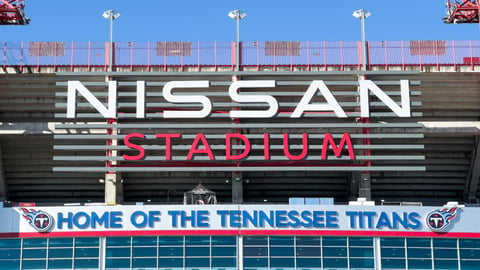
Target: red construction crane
462	11
12	12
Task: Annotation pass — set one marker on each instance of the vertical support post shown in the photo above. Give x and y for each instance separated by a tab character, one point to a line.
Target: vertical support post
131	56
325	55
232	68
240	252
110	57
258	56
112	180
377	252
308	56
420	57
102	253
386	55
5	57
38	56
364	44
237	177
367	60
403	56
454	56
181	56
215	52
55	58
274	56
341	55
21	56
88	65
148	56
364	180
360	59
71	58
237	188
165	57
198	54
471	55
291	56
237	44
3	180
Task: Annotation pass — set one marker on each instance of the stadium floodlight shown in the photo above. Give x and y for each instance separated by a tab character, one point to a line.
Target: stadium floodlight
237	15
362	15
111	15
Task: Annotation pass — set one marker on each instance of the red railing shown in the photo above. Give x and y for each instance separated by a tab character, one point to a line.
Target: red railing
257	54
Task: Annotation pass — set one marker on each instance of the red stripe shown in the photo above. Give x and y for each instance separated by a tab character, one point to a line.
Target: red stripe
240	232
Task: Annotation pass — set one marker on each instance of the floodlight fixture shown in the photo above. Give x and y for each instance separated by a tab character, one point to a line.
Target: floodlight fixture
362	14
237	15
111	15
234	14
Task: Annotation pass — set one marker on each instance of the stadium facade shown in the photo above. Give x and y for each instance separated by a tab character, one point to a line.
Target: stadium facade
301	159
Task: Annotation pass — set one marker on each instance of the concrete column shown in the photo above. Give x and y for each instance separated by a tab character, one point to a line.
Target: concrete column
364	186
3	181
237	177
237	188
112	179
353	187
471	185
363	179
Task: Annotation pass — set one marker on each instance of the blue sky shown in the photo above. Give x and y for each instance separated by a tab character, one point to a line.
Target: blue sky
192	20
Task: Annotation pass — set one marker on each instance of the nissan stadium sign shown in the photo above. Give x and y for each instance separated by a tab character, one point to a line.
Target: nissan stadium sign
245	125
239	220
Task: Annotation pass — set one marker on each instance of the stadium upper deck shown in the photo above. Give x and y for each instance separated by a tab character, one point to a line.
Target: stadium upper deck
444	93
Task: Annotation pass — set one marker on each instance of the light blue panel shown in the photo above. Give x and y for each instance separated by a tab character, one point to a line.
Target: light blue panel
296	201
327	201
312	201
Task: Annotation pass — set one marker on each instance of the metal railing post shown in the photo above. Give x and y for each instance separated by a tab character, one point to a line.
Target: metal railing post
454	56
148	56
386	55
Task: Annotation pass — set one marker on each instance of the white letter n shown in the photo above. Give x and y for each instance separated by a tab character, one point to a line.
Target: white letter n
74	86
403	111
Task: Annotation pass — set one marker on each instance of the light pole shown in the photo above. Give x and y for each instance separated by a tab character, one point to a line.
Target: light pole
237	15
111	15
362	15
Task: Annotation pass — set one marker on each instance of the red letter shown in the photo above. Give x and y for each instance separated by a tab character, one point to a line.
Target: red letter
228	150
286	148
134	146
194	150
168	146
266	146
338	151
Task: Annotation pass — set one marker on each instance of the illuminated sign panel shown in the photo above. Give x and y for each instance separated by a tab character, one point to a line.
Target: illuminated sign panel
240	220
245	125
303	106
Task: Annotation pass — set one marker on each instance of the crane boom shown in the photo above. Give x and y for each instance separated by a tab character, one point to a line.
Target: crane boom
462	11
12	12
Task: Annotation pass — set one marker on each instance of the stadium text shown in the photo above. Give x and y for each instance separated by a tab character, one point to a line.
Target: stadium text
200	145
240	219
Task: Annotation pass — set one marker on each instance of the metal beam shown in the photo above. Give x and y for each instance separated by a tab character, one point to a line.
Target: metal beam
239	169
238	73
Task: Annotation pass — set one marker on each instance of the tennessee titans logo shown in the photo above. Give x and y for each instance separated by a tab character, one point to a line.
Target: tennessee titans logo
39	220
438	220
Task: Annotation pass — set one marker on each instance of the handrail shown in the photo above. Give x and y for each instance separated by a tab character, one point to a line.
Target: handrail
254	54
